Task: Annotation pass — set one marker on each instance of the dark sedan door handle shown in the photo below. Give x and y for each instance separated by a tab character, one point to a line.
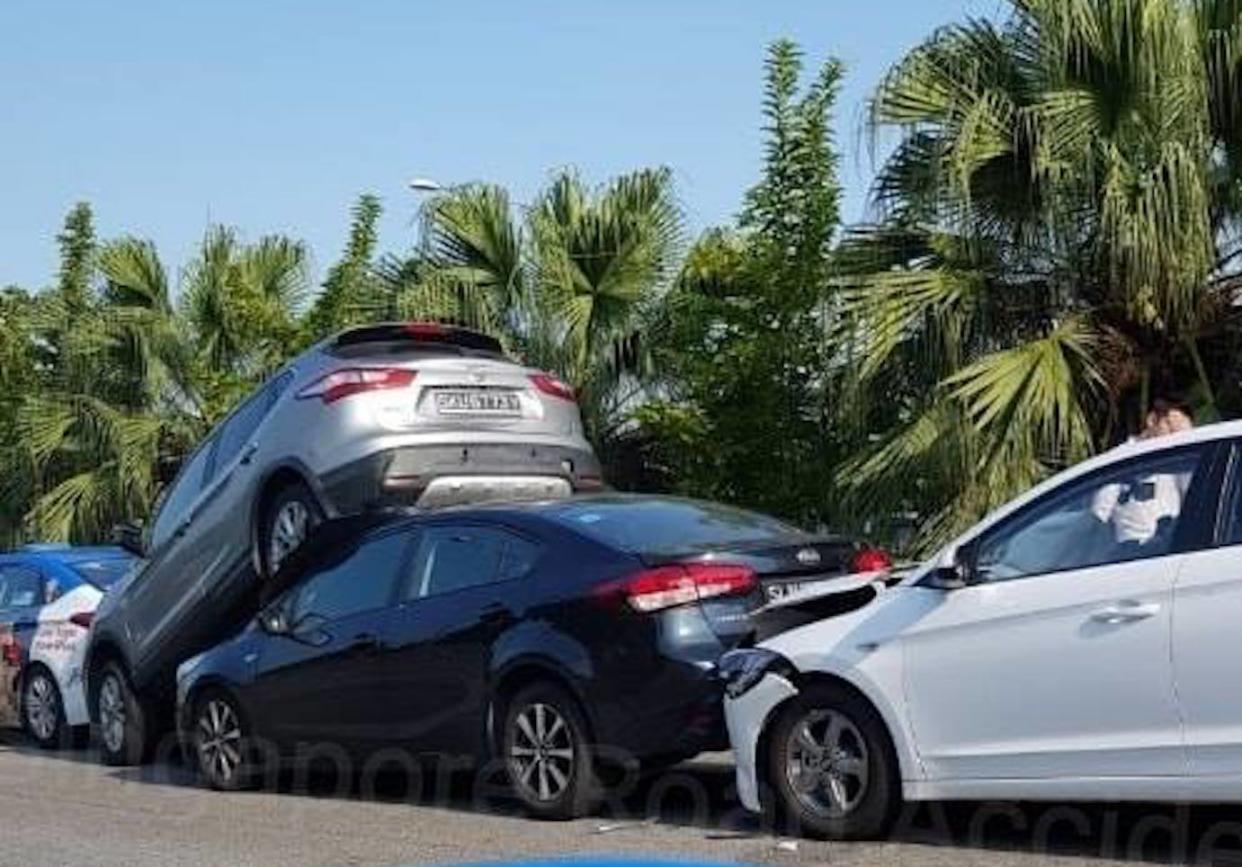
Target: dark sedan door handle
365	644
496	614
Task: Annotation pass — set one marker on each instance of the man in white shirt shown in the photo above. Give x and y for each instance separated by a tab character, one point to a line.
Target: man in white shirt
1135	509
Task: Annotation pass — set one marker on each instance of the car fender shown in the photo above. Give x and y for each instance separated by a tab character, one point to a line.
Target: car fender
535	645
864	649
60	647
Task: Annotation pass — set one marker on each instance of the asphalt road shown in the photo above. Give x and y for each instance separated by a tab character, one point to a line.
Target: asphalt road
65	808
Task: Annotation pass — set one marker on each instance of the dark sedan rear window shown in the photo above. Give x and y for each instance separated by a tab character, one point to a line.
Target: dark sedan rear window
102	573
670	526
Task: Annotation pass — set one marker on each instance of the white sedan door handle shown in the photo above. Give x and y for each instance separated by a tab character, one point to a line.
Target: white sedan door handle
1125	611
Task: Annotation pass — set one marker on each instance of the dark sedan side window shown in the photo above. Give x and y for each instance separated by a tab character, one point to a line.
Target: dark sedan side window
454	558
362	581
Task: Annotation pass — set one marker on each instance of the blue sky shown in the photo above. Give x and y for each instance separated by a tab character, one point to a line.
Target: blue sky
273	115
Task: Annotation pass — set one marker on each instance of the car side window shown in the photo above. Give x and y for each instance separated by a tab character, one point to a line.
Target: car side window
185	489
20	587
454	558
519	557
1128	512
357	580
1230	524
242	424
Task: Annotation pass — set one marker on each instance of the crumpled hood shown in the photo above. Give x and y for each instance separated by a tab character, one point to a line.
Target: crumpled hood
855	632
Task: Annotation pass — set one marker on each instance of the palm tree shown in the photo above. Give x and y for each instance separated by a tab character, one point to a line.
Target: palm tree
1058	225
93	437
567	286
121	382
240	307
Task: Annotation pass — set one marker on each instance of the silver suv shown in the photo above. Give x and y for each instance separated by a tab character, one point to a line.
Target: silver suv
394	414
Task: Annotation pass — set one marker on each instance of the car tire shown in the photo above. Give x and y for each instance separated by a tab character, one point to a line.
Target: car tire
220	743
43	710
548	753
832	768
126	734
286	523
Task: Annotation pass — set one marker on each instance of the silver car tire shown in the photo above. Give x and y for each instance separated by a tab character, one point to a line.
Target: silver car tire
125	738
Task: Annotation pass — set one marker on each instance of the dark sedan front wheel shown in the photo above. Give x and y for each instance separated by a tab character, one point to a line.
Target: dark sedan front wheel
548	753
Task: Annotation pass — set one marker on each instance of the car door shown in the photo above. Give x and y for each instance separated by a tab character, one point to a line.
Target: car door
158	595
322	681
466	585
198	578
1055	661
1207	640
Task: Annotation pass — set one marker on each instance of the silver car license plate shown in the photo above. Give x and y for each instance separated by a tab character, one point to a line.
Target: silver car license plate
478	401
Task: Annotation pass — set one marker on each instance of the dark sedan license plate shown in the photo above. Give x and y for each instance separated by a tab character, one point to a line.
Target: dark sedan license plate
478	402
783	590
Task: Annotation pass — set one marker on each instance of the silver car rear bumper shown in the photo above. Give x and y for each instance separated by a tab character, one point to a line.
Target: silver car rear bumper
456	490
438	475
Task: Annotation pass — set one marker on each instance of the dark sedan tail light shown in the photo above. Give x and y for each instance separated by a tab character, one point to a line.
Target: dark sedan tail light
870	560
681	584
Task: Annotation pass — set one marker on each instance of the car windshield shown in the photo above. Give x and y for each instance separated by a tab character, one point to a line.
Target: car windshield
654	527
102	573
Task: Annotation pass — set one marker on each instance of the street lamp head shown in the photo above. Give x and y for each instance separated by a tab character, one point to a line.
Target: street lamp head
425	185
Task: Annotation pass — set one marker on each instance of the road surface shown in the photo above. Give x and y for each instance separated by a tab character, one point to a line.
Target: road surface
65	808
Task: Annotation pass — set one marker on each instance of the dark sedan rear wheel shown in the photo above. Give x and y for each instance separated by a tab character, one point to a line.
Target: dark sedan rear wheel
221	744
286	523
548	753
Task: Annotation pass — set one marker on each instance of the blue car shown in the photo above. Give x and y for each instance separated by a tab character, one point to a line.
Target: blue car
48	597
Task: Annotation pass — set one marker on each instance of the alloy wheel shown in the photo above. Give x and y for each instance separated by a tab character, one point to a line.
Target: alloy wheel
541	755
219	741
826	763
289	529
112	713
42	707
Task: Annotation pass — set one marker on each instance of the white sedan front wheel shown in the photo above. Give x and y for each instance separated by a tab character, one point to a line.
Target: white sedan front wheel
832	766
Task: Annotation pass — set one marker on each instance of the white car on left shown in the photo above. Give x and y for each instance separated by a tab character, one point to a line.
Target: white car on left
48	597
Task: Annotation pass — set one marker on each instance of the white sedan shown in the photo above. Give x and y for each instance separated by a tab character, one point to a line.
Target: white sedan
48	597
1081	643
